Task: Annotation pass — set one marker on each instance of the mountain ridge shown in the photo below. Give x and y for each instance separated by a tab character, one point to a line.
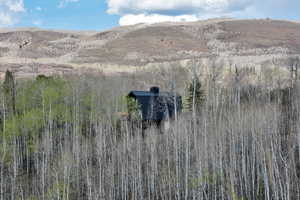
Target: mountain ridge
143	44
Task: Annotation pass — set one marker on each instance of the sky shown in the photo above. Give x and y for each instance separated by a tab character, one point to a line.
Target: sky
105	14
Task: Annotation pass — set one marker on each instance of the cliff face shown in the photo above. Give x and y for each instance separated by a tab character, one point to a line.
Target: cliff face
227	42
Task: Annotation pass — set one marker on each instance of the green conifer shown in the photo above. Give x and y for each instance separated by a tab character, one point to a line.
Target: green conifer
195	96
9	91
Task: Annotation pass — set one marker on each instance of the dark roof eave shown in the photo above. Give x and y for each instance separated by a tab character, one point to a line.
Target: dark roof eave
146	93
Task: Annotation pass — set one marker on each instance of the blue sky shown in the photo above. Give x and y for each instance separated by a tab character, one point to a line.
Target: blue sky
81	15
105	14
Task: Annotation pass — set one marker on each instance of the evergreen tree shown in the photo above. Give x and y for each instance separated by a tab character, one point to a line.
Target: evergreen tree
194	95
9	90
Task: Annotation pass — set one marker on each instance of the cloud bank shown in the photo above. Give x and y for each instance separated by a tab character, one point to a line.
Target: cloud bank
152	11
155	18
10	11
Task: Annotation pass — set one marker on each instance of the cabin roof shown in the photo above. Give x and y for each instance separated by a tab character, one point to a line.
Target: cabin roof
150	94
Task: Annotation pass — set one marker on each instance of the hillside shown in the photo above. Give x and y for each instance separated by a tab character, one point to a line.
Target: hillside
33	51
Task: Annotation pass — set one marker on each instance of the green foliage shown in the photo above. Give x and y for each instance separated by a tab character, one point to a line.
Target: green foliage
208	178
39	103
6	153
56	191
129	106
32	198
11	128
195	95
128	110
47	95
31	120
133	108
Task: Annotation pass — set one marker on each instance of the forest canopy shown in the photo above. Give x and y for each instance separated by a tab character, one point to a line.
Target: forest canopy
62	138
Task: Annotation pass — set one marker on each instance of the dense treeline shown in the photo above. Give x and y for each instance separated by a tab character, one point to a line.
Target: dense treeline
63	138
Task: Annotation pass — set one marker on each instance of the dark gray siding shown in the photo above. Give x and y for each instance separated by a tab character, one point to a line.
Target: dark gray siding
157	106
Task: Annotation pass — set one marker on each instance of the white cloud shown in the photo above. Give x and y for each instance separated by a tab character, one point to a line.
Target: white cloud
63	3
15	6
10	11
6	19
150	11
154	18
37	22
153	11
38	8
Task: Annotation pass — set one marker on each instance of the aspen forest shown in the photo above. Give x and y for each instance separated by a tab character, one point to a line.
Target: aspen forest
62	138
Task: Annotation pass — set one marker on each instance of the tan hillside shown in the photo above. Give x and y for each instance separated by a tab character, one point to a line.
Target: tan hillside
30	51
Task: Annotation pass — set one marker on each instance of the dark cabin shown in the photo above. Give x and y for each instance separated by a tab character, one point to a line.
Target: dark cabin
156	106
